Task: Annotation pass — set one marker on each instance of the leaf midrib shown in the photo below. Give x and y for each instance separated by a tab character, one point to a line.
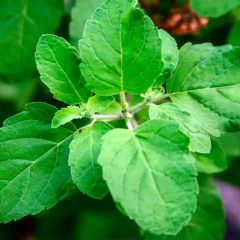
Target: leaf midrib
92	162
204	89
22	25
121	49
37	161
213	53
150	169
77	93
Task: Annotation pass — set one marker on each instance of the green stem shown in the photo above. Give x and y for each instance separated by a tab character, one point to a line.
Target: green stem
146	102
125	110
129	124
127	114
124	102
134	122
107	117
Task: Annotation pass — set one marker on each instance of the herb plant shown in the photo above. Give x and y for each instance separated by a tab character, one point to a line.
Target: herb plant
158	171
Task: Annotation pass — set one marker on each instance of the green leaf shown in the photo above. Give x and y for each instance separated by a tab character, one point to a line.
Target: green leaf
213	162
120	49
169	56
66	115
114	108
199	139
80	14
150	172
207	222
22	23
58	63
206	84
233	37
213	8
86	172
34	172
99	103
231	144
235	13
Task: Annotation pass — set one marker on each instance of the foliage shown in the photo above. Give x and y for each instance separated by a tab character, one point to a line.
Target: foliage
140	118
233	37
26	22
209	208
214	8
39	177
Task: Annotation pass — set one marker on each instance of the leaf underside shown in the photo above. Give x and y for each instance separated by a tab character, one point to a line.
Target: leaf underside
97	103
213	162
199	139
66	115
206	83
169	56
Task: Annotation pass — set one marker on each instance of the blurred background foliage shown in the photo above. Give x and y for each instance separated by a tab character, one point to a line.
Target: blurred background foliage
22	22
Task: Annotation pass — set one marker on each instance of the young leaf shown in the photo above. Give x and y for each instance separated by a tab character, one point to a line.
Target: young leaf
207	222
58	63
34	173
213	162
199	139
21	24
120	49
206	84
114	108
66	115
169	56
84	151
80	14
99	103
150	172
213	8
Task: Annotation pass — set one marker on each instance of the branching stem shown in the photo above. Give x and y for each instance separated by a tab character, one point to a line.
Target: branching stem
127	113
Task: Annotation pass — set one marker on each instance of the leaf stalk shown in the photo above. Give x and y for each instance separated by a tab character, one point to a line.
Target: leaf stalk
146	102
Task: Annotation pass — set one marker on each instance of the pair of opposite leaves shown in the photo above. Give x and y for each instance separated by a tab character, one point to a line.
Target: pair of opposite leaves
48	163
40	176
113	51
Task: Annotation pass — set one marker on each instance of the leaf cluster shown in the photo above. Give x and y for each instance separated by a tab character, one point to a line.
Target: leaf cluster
151	168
